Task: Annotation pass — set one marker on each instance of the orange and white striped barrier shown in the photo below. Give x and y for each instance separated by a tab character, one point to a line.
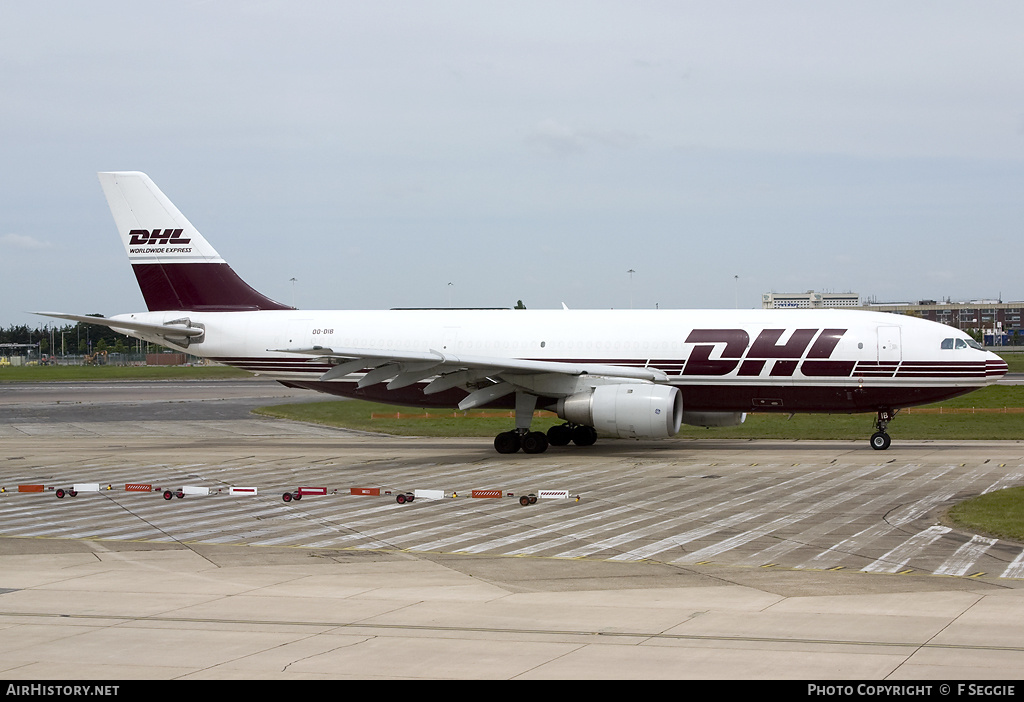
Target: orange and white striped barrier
486	493
402	497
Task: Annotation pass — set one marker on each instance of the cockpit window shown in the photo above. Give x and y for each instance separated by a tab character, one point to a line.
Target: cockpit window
961	344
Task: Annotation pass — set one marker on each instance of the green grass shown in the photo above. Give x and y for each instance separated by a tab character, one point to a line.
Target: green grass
356	414
1014	359
37	374
999	514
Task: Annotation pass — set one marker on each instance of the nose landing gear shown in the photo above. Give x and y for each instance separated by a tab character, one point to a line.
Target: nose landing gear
880	440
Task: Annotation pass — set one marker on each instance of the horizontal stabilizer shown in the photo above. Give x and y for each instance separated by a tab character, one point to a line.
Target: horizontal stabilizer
162	329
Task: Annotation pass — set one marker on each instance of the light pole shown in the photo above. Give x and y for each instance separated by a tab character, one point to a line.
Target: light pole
631	272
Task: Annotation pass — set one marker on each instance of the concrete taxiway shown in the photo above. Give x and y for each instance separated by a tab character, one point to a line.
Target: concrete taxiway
679	559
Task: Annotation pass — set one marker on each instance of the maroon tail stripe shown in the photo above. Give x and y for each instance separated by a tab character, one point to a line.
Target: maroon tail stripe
210	287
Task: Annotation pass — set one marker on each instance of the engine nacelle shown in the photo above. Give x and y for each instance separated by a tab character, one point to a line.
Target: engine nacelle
626	410
714	419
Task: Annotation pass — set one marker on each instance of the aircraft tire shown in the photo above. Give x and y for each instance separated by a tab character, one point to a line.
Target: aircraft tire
559	435
507	442
535	442
584	436
880	441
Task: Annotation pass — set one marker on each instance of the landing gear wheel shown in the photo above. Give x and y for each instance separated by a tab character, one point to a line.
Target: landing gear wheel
584	436
880	441
535	442
507	442
559	435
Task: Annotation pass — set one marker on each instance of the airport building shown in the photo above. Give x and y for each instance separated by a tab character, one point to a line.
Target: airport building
809	300
999	321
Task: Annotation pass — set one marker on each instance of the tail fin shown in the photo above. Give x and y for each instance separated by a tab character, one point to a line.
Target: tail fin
176	267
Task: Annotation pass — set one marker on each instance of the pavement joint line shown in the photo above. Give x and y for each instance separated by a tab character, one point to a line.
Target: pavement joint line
517	631
322	551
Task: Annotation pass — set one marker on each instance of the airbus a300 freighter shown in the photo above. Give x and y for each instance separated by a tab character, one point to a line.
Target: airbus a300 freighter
624	373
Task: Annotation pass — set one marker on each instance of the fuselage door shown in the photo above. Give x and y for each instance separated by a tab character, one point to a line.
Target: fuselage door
889	344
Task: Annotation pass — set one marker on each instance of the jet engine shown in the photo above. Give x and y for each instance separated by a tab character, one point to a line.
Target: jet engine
626	410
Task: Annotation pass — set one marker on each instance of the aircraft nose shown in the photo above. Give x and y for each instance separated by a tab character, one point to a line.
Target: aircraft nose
995	366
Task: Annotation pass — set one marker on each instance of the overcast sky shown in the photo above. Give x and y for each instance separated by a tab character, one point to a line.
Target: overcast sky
418	153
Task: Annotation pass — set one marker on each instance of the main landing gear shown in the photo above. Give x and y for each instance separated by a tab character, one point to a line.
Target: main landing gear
528	441
538	442
880	439
562	434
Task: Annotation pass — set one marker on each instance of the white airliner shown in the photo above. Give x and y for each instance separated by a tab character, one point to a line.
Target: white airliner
624	373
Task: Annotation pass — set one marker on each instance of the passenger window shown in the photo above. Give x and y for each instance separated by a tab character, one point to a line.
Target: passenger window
947	344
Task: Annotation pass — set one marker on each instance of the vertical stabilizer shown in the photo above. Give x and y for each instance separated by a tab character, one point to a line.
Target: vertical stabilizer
176	267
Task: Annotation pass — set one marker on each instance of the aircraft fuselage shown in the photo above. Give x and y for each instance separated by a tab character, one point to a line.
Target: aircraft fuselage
721	360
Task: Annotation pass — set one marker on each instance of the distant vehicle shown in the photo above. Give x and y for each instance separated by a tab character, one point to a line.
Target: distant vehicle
626	373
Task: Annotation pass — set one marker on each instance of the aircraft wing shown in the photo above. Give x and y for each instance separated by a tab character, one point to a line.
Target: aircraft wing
162	329
404	368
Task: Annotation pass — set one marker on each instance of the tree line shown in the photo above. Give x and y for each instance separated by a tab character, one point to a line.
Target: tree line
71	339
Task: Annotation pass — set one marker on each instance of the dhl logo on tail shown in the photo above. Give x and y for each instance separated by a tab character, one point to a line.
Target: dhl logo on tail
161	237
